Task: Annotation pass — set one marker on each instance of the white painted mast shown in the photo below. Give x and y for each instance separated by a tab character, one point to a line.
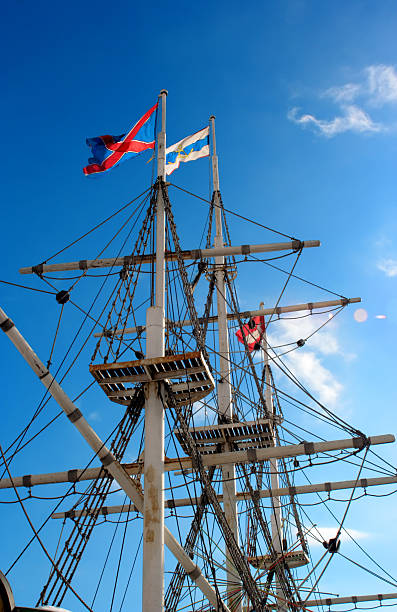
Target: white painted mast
153	522
276	517
224	388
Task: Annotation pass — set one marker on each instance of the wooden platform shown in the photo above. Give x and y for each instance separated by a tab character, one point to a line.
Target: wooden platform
188	375
250	434
295	558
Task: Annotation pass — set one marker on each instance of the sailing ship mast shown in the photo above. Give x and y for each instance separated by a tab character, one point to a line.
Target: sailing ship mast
153	517
224	388
189	380
275	518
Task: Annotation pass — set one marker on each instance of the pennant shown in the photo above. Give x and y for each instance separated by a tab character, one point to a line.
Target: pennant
190	148
108	151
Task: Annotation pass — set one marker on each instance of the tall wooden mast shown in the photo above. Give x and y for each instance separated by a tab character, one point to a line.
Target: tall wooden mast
224	389
153	524
276	518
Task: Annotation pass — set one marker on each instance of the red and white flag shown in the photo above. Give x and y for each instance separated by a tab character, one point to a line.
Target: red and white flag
253	333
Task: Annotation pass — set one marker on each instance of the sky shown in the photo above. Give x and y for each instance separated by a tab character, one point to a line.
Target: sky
305	99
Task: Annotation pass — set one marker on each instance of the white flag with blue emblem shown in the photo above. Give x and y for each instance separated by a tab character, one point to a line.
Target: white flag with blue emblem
190	148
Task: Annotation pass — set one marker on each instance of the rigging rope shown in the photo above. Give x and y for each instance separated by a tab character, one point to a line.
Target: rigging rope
99	489
37	537
235	214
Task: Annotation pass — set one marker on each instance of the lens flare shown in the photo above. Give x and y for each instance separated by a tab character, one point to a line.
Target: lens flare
360	315
380	317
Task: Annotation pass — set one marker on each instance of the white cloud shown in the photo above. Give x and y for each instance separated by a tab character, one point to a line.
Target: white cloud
325	341
308	368
382	84
330	532
353	119
376	88
388	266
344	93
307	363
383	242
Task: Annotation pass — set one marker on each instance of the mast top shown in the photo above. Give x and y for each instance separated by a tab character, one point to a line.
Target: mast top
161	153
215	172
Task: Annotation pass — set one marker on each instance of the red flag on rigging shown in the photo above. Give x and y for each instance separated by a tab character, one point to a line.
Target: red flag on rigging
253	333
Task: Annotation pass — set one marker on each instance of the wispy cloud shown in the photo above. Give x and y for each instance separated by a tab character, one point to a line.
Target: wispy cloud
382	84
309	369
353	119
383	241
327	533
308	363
345	93
388	266
376	88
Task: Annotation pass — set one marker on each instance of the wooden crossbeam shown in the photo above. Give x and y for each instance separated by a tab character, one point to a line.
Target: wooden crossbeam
354	599
245	249
241	315
171	464
326	487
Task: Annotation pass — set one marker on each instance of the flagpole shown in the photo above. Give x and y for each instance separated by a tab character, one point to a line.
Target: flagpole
160	221
153	524
224	390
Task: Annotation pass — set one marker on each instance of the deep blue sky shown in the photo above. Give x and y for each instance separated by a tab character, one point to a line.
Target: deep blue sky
326	170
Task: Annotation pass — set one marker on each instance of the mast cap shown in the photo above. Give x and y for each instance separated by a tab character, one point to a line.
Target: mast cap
164	91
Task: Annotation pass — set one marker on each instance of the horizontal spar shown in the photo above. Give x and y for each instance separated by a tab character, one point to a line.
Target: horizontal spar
128	260
354	599
79	475
243	315
363	483
293	450
170	464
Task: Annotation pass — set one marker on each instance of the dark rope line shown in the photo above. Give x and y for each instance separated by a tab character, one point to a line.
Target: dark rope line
25	287
384	460
304	280
121	553
41	404
141	206
129	577
97	226
117	523
37	537
348	534
367	570
48	424
343	424
235	214
71	488
284	288
55	337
